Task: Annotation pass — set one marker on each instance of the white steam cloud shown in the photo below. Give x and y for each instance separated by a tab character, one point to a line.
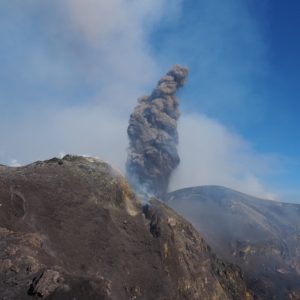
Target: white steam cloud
72	87
81	79
212	155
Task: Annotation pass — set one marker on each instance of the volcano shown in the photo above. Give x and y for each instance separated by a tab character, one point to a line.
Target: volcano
72	228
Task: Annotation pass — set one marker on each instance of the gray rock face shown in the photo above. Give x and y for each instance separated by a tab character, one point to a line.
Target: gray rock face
153	137
262	237
84	235
45	283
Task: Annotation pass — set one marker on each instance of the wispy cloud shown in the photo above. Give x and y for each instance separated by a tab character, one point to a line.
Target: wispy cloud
14	163
72	70
81	68
213	155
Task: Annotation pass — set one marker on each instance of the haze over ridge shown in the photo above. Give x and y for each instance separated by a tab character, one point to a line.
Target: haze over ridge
71	89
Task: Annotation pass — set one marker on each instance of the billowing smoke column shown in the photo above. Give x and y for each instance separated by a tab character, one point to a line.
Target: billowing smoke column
153	137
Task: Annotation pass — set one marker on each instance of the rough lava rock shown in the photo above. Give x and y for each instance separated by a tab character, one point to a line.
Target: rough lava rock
72	228
152	132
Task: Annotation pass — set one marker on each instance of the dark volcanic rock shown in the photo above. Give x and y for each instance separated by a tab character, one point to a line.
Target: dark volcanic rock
152	132
261	236
73	229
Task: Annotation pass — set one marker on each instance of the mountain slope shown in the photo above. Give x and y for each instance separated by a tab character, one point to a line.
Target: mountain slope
72	229
261	236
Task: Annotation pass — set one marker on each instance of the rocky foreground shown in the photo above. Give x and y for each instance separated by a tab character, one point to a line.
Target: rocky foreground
71	228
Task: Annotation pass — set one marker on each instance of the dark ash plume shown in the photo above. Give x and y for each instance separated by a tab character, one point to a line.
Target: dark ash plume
153	137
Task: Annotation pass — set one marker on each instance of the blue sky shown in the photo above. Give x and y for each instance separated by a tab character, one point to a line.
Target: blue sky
244	68
71	72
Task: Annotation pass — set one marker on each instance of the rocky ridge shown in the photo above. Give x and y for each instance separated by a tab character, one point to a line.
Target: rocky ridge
260	236
72	228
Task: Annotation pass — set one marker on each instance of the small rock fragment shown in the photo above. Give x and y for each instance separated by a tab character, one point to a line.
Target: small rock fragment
45	283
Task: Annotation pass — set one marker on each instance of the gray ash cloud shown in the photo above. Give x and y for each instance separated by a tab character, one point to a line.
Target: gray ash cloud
153	137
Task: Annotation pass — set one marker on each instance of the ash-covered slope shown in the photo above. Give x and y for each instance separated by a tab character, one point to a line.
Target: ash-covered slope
72	229
261	236
153	137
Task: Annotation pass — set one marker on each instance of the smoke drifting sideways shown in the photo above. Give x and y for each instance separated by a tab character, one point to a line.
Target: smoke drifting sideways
153	137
